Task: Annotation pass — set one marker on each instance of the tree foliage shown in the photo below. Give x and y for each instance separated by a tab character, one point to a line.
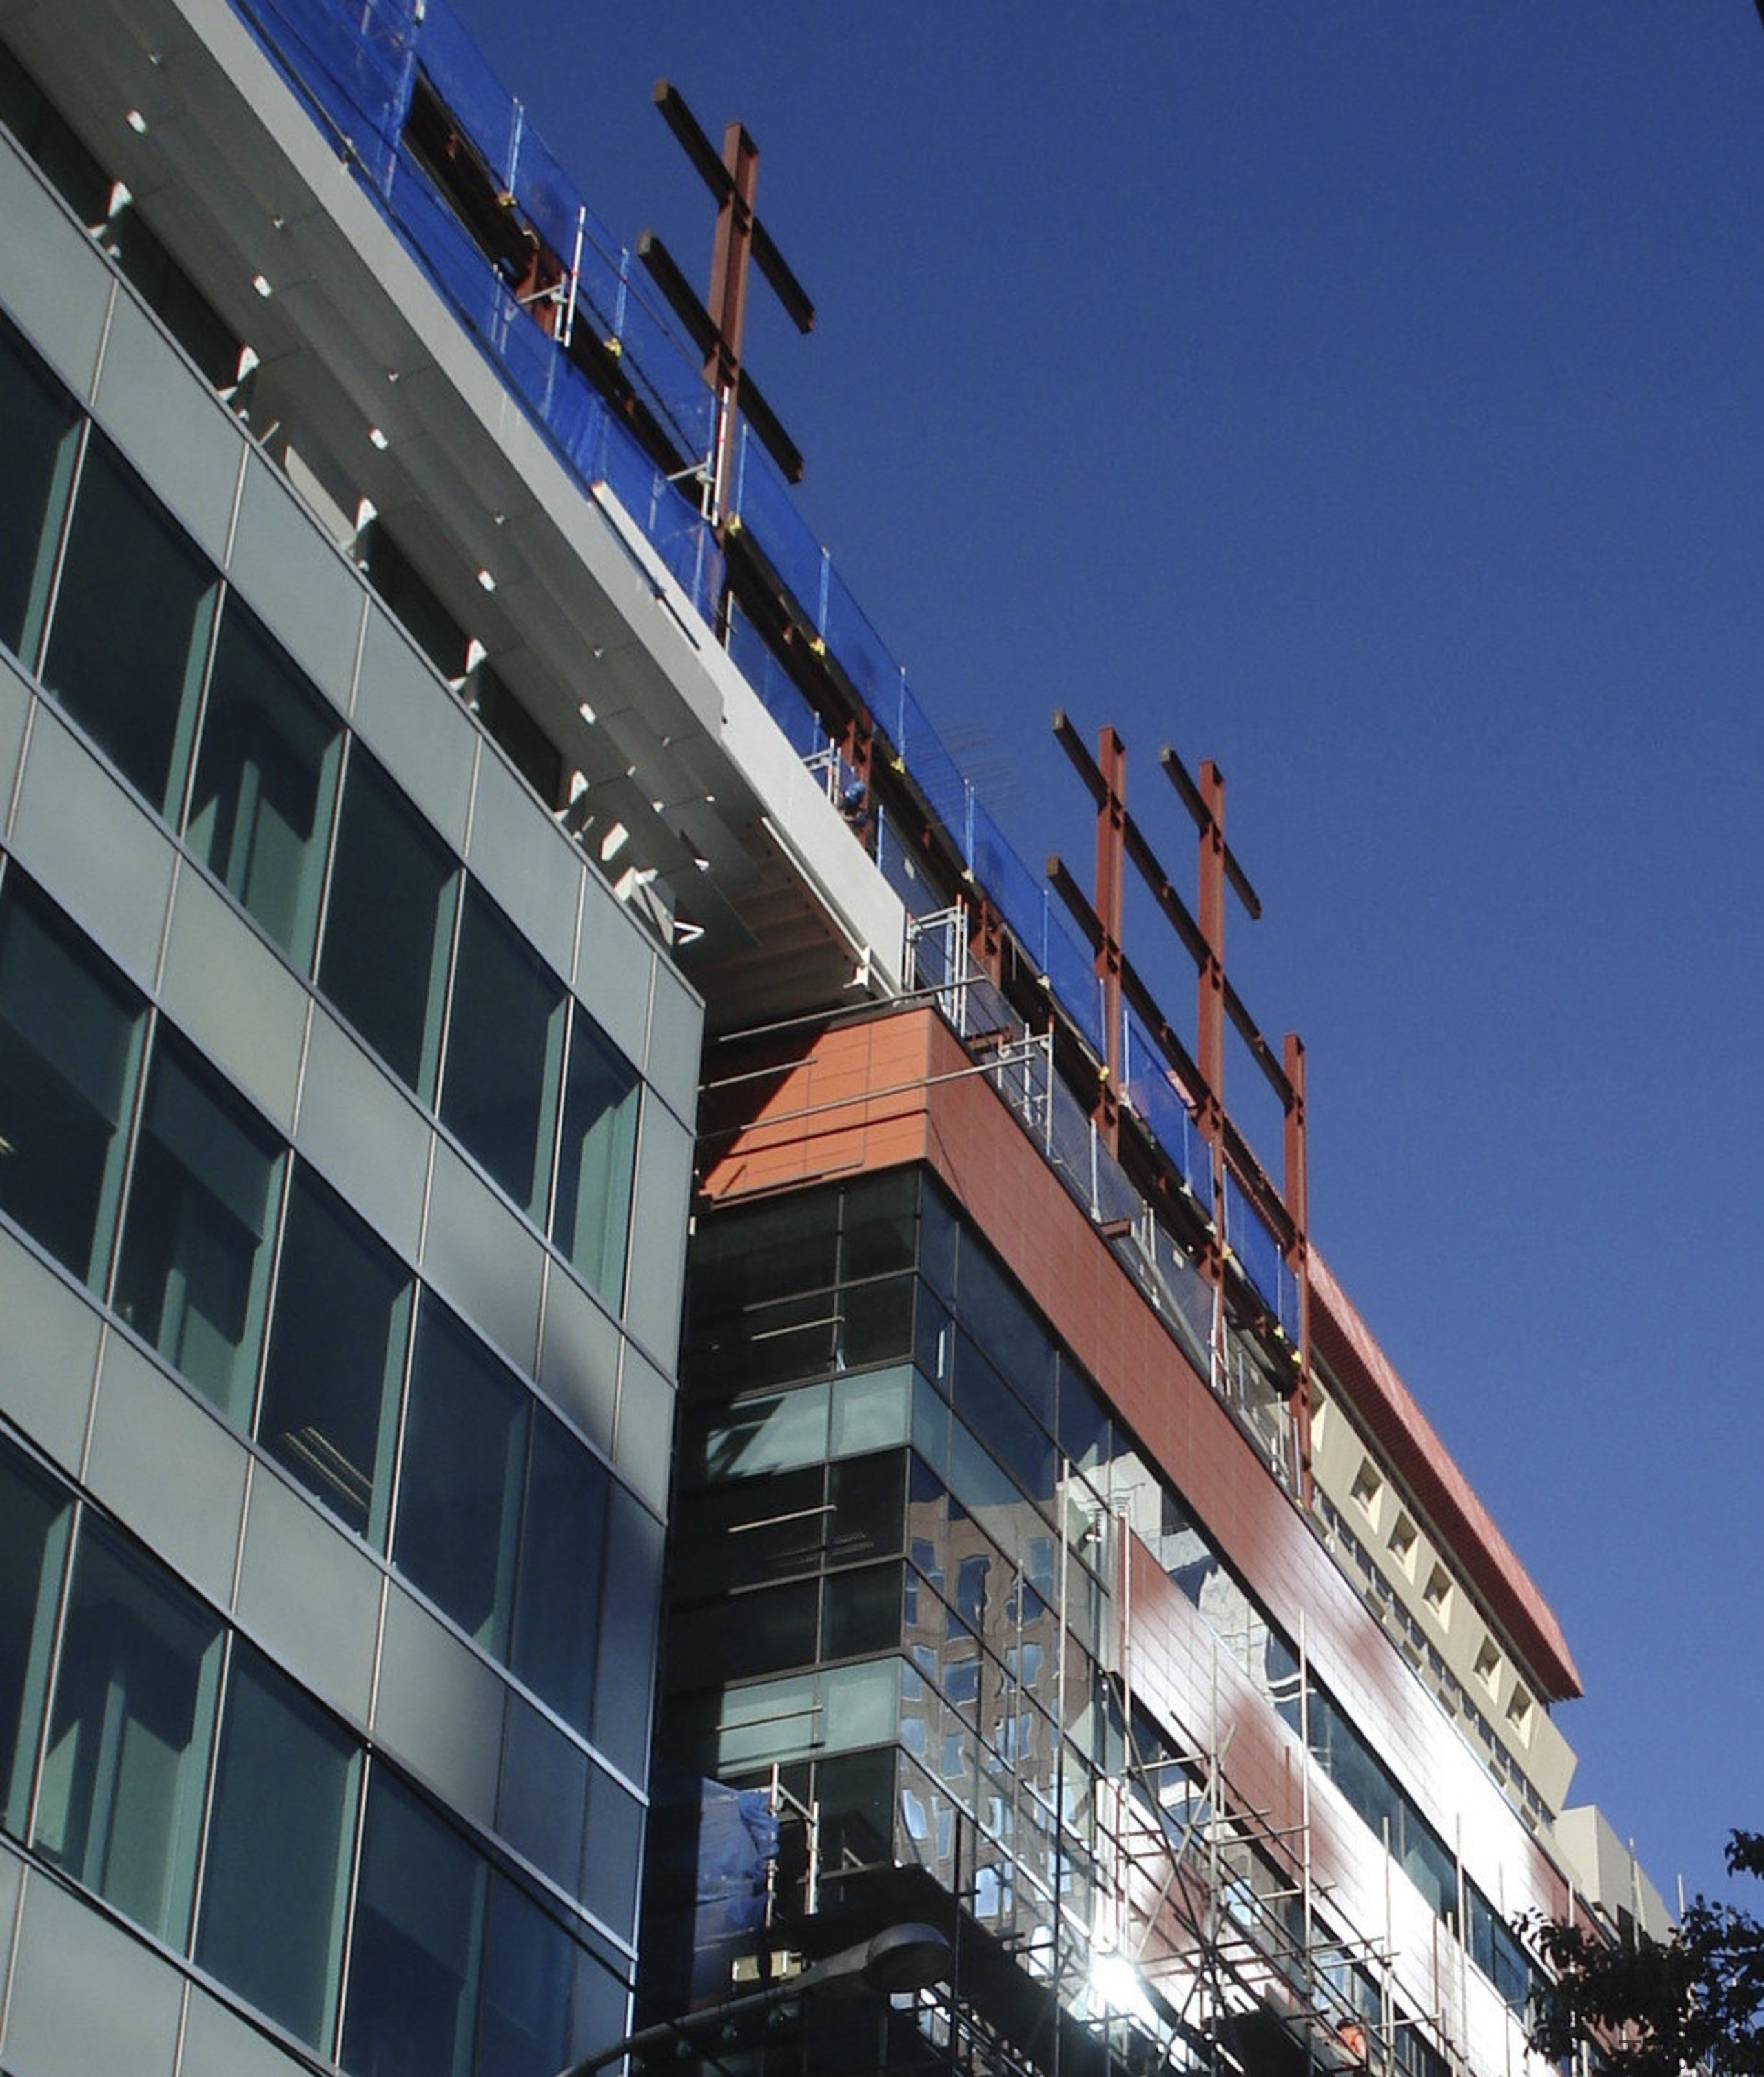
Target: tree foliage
1694	2001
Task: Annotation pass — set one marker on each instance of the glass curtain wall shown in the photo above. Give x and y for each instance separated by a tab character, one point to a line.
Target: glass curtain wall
884	1450
160	1762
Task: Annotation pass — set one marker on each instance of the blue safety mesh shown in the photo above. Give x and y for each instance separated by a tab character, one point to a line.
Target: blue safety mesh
545	195
354	68
1071	973
355	64
861	652
760	498
484	108
1018	895
1153	1095
1258	1253
779	693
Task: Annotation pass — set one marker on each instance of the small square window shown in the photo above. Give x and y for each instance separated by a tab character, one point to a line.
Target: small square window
1438	1593
1488	1664
1367	1488
1401	1542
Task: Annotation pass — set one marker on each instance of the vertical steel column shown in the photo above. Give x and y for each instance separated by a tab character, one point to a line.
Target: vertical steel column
731	250
1297	1195
1111	886
1209	1029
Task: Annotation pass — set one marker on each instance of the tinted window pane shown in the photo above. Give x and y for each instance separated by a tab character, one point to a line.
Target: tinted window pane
38	428
528	1965
33	1525
992	1313
594	1163
505	1050
563	1543
265	778
122	1796
627	1649
745	1258
419	1925
881	1224
863	1612
336	1356
388	923
130	624
70	1034
867	1497
459	1489
272	1891
194	1270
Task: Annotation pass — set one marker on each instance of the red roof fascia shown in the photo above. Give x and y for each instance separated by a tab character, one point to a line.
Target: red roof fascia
1419	1457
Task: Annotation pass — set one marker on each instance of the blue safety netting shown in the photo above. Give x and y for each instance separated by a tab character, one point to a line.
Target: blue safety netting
353	70
1153	1095
356	64
1258	1255
780	694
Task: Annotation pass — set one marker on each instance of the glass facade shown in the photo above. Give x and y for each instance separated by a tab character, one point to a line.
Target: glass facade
157	1750
885	1452
164	1764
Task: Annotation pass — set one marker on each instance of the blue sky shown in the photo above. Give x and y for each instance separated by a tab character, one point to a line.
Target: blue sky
1368	397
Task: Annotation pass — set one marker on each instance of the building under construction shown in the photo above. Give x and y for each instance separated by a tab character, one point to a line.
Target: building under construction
525	1065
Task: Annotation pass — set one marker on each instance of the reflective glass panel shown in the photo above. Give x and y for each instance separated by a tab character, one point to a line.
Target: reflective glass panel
563	1550
33	1528
266	776
418	1934
278	1851
336	1355
528	1965
194	1274
129	626
70	1040
505	1053
388	924
595	1159
463	1465
39	429
121	1802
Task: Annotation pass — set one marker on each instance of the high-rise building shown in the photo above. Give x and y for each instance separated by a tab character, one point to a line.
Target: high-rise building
431	748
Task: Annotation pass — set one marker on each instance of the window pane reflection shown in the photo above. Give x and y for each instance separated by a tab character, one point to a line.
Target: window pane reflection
38	432
131	626
388	924
594	1164
122	1795
70	1038
414	1966
33	1530
563	1543
194	1269
336	1356
460	1491
265	778
505	1052
273	1886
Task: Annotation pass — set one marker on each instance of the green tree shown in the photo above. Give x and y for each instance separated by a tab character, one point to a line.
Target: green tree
1694	2001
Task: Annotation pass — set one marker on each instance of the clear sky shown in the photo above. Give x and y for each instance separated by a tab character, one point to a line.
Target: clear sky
1369	395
